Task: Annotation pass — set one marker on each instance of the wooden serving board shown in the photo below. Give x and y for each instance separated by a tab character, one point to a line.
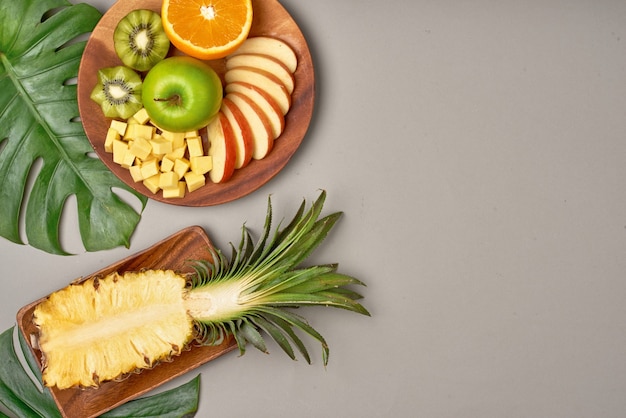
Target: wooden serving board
171	253
269	19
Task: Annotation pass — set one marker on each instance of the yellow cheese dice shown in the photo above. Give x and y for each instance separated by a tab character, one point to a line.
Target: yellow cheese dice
118	126
135	173
141	148
181	166
152	183
167	164
177	138
108	140
194	181
168	180
177	153
129	160
130	130
201	165
191	134
142	116
150	168
120	149
194	146
176	192
135	131
161	146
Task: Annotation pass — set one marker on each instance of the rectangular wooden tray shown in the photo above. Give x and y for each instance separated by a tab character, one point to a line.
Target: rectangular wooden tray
171	253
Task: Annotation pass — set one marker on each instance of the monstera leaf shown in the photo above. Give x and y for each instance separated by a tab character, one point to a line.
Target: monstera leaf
22	392
45	156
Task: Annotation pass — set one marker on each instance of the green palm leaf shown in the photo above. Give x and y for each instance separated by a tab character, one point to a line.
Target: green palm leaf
20	395
41	142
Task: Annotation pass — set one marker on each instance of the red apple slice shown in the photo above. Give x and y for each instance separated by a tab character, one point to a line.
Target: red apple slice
272	47
221	149
263	139
241	129
266	63
265	81
265	103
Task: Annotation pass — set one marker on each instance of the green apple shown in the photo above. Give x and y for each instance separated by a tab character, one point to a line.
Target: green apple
182	94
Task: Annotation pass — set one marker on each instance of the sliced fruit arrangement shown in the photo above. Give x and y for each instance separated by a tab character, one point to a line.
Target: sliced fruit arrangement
179	94
259	83
104	328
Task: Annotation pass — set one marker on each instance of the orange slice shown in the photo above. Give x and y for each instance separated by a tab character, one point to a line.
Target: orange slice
207	29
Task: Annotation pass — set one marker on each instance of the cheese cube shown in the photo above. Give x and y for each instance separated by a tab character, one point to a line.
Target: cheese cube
135	131
150	168
181	166
142	116
120	149
191	134
177	138
194	181
168	180
152	183
194	146
141	148
167	164
161	145
177	192
112	134
118	126
129	160
177	153
201	165
135	173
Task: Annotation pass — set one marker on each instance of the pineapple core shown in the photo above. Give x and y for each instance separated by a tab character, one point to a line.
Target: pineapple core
104	328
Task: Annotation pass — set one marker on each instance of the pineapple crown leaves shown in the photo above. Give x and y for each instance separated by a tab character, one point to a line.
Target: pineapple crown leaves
271	280
41	141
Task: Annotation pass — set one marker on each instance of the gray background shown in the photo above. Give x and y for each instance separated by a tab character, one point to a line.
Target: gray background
477	150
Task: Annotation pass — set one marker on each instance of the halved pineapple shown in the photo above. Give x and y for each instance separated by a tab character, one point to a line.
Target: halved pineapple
104	328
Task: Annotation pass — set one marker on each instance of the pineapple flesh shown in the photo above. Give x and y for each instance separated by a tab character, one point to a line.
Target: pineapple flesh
104	328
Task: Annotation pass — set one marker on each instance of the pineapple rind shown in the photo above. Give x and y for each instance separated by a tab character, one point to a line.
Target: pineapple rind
102	329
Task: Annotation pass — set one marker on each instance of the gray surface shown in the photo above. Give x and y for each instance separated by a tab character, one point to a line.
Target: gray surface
477	150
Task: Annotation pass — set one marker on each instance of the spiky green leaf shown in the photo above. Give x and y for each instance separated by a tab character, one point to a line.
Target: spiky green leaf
268	280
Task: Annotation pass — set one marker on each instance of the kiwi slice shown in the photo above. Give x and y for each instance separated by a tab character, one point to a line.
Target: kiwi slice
118	92
139	39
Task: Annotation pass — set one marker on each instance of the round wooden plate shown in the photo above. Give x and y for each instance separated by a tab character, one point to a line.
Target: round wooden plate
270	19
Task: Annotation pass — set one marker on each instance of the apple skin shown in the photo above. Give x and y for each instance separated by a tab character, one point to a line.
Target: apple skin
260	126
222	149
265	103
265	81
242	132
182	94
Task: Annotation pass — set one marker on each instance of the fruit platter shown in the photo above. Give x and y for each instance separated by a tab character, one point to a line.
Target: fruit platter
256	125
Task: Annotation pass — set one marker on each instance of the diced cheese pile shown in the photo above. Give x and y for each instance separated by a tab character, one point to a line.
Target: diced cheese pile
172	162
